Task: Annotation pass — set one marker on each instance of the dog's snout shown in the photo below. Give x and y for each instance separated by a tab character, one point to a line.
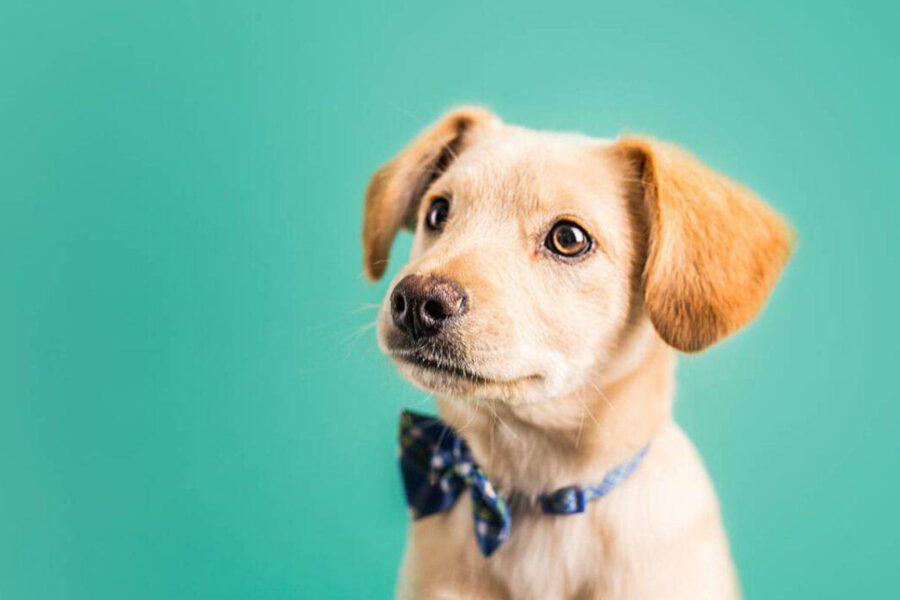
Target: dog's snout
421	305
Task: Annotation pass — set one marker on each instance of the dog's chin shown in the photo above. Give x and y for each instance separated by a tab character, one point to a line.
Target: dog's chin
460	381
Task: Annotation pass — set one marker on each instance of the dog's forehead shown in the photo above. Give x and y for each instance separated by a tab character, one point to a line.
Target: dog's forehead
546	168
520	148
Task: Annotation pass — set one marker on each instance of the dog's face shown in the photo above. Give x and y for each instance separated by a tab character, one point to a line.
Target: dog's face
537	254
529	234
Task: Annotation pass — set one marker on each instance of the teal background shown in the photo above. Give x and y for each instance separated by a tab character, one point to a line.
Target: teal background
192	404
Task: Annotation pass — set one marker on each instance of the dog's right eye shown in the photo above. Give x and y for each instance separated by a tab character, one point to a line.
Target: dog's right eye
437	214
568	239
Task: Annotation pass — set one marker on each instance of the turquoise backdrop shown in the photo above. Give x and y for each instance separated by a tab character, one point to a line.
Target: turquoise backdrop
192	404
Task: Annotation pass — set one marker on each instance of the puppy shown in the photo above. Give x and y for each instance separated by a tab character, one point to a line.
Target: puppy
551	280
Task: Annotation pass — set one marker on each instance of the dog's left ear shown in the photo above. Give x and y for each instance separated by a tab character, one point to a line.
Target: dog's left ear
397	187
714	252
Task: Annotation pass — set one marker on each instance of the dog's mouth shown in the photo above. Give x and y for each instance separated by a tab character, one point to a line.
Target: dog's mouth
441	366
454	376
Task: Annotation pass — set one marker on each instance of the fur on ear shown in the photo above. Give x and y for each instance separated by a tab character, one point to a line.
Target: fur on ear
715	250
395	190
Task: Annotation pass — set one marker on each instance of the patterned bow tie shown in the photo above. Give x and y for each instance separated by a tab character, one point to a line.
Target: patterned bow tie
437	467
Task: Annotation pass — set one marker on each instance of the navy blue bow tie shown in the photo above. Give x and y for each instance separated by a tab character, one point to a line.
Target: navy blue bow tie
437	467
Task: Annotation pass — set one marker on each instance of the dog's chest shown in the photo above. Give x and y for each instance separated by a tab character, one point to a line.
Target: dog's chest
554	556
546	557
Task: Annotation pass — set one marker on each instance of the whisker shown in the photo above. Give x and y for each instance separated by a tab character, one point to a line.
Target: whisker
472	417
580	427
508	428
609	403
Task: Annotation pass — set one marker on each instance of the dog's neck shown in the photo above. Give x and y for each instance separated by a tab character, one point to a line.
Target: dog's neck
574	439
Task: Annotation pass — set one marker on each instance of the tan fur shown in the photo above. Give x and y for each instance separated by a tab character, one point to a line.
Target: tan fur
576	357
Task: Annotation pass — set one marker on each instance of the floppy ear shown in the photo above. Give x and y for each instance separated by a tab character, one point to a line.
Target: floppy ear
397	187
714	252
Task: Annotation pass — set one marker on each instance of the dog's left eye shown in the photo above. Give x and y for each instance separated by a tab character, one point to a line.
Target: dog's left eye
567	239
437	214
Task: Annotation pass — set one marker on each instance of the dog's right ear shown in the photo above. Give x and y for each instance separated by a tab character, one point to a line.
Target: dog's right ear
396	189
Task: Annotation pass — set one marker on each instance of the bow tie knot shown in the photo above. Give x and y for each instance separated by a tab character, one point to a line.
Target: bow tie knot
438	467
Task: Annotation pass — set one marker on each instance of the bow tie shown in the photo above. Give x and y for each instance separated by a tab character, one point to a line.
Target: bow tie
438	467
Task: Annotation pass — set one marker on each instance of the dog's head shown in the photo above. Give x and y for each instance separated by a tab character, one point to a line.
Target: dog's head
538	255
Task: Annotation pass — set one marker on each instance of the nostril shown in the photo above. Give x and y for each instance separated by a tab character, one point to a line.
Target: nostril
398	303
434	310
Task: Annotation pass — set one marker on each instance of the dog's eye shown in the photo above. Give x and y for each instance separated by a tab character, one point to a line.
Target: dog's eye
568	239
437	214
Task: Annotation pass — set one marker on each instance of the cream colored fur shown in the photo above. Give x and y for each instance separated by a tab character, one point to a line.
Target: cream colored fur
576	357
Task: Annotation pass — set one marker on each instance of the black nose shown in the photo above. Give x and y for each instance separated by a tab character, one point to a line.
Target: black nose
421	305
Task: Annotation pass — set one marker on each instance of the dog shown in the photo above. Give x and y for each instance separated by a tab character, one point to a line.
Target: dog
552	278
